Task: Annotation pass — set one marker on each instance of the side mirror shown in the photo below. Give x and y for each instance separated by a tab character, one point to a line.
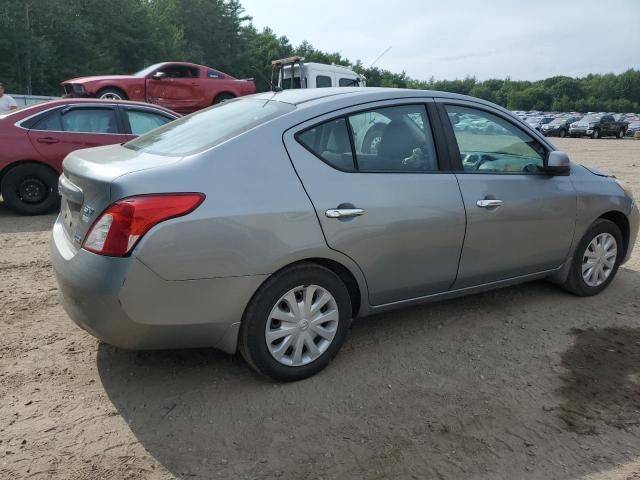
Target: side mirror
557	163
159	75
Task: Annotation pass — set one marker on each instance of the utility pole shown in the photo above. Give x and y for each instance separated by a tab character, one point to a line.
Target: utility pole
28	28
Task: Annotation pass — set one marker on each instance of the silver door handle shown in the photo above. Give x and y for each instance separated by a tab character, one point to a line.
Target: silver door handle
489	203
344	212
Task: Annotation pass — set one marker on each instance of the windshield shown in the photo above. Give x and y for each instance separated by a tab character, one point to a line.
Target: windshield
559	121
592	118
146	71
534	119
208	128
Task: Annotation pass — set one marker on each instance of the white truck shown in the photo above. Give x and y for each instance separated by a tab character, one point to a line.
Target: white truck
286	75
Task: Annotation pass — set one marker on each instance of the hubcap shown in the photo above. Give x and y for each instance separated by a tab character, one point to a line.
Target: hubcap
110	96
599	259
32	190
302	325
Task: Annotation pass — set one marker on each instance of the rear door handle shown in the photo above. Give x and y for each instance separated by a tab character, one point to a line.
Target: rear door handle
344	212
489	203
48	140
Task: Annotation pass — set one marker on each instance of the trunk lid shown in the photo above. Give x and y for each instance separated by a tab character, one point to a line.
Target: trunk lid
85	184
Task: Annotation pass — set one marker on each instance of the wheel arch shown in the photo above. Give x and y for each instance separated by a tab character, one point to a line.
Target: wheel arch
224	93
17	163
109	87
622	222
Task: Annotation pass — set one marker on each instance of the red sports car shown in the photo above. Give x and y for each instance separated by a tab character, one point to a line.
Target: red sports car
37	138
182	87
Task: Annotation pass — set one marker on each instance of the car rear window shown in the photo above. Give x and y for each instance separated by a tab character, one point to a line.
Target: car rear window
210	127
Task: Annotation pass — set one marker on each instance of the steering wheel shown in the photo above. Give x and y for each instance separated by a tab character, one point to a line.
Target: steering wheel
484	158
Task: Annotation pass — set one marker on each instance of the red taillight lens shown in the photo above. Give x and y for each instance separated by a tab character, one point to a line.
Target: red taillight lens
119	227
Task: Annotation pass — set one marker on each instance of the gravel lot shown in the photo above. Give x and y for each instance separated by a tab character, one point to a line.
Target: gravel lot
524	382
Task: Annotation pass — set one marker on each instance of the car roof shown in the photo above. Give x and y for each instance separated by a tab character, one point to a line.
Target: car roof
93	101
300	96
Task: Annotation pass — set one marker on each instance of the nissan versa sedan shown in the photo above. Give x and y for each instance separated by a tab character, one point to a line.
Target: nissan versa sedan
262	224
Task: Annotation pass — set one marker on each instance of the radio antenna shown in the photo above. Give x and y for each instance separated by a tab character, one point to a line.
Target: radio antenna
380	56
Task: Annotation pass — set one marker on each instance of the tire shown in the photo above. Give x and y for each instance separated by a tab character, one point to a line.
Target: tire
576	282
562	133
372	138
621	133
111	94
269	301
596	134
223	97
30	189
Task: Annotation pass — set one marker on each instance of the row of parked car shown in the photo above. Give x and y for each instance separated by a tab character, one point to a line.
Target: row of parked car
574	124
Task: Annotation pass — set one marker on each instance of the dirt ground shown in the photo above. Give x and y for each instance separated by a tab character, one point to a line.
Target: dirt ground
524	382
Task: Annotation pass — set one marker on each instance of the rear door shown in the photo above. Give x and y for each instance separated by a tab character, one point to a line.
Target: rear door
75	127
398	211
520	220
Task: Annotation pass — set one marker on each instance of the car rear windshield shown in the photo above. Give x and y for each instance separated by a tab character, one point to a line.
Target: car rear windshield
208	128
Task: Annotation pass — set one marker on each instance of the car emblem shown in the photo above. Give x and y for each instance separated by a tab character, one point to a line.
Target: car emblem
87	212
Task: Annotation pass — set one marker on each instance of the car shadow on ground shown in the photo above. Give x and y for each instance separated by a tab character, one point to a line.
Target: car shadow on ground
504	384
12	222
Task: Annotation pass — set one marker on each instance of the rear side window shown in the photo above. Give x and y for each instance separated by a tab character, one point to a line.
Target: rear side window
322	81
330	142
89	120
348	82
142	121
210	127
389	139
49	122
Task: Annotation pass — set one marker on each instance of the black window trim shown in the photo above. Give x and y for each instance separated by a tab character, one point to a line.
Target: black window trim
453	149
443	160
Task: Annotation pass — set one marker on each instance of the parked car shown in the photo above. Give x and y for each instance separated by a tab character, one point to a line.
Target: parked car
558	127
634	127
182	87
35	140
537	122
260	225
596	126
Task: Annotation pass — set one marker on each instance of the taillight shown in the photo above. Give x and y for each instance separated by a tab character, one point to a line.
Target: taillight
122	224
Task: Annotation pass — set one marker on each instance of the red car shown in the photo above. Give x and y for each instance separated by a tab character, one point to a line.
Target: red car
182	87
37	138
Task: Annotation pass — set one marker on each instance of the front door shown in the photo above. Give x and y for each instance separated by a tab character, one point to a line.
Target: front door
397	212
520	220
181	89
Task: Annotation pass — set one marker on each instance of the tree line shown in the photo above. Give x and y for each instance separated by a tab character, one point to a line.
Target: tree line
43	42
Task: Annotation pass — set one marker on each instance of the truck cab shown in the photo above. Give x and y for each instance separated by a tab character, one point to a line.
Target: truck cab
294	72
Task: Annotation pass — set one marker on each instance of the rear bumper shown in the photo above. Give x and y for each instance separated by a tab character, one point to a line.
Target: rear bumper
122	302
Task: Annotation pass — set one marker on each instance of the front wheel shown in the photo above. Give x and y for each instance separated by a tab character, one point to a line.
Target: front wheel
596	259
30	189
596	134
621	133
296	323
223	97
111	94
563	133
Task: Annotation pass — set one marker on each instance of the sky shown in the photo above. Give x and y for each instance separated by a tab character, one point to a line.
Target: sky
521	39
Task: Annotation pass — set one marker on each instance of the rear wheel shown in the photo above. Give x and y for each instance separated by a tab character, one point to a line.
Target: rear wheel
30	189
296	323
111	94
563	133
596	259
223	97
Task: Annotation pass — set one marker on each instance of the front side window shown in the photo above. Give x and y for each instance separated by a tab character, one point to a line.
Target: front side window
210	127
322	81
89	120
141	121
394	139
490	144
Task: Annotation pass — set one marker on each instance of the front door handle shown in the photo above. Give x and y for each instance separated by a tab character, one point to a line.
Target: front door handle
489	203
344	212
48	140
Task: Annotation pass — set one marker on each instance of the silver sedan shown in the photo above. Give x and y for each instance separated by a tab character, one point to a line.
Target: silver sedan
267	223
